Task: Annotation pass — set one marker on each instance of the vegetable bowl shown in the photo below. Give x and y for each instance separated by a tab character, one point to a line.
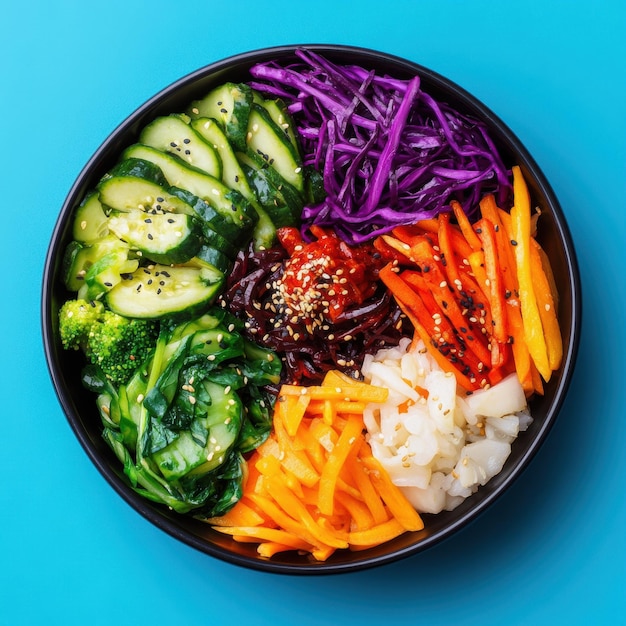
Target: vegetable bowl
235	269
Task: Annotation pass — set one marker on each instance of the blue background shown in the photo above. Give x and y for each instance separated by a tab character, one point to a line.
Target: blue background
551	551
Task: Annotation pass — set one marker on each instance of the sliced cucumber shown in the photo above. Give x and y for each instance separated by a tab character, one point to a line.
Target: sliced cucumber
277	110
281	201
90	221
237	217
267	140
173	134
161	237
213	221
126	193
233	176
222	419
230	105
216	258
106	273
160	291
96	267
272	198
137	168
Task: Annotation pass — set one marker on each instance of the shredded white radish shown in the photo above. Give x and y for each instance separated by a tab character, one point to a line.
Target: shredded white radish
437	446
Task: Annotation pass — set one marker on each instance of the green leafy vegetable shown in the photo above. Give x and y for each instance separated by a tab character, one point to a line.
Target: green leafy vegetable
182	422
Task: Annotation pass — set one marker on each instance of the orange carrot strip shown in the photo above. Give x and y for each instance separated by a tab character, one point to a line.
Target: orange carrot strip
268	549
376	535
477	262
360	515
465	226
521	356
462	380
369	393
519	349
393	497
317	407
283	520
293	460
290	410
447	249
366	489
240	515
499	328
293	506
261	533
430	225
335	461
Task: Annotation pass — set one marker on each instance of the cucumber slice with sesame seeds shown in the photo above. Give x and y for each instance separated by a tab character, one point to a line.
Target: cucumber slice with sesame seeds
173	134
271	143
221	416
232	176
158	291
230	105
90	220
127	193
107	272
96	267
264	234
215	228
279	113
237	219
160	237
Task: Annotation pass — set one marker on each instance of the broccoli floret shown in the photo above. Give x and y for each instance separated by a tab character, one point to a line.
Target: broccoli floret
116	344
76	319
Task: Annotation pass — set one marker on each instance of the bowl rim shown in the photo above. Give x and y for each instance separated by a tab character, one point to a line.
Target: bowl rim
169	525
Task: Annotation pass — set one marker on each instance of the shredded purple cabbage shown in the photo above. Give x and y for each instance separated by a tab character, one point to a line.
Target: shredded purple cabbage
389	152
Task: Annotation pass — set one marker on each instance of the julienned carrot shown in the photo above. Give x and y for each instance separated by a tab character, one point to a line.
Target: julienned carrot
465	226
503	236
319	490
508	285
500	330
462	380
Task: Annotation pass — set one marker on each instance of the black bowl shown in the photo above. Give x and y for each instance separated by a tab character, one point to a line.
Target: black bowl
79	405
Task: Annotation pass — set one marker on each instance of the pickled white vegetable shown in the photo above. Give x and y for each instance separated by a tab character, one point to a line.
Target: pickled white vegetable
438	446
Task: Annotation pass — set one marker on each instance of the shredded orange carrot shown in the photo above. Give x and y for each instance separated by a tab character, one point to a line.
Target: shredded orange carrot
319	489
481	296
